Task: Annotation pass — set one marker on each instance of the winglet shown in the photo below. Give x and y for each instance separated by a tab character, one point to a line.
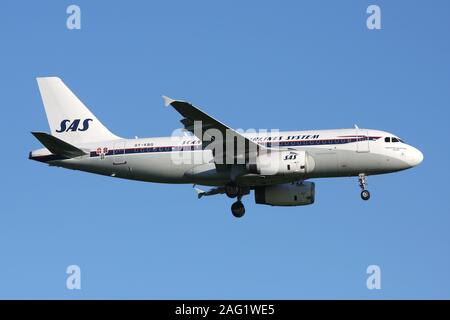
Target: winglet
167	101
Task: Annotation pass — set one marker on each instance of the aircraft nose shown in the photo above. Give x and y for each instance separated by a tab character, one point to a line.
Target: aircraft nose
416	157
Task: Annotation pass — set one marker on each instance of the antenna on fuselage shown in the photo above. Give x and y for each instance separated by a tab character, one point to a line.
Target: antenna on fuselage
356	126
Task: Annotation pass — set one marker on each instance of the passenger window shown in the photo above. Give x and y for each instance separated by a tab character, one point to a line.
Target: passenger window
387	139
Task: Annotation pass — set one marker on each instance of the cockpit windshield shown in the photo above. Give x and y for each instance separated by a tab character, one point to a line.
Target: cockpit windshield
393	139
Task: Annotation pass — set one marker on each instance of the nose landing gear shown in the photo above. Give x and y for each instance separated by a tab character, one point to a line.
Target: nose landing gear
365	194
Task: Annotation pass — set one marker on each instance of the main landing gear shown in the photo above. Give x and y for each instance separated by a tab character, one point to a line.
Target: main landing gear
365	194
234	191
238	209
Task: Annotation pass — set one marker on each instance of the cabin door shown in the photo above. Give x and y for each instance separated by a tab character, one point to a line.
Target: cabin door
363	141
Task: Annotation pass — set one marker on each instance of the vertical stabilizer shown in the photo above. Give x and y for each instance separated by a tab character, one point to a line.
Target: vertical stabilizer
69	119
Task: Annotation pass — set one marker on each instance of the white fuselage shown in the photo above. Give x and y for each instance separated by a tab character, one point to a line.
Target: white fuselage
181	159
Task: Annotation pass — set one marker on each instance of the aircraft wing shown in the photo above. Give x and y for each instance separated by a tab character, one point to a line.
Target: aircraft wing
209	130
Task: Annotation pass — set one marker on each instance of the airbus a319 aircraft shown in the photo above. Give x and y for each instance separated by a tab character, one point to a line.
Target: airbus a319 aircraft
275	165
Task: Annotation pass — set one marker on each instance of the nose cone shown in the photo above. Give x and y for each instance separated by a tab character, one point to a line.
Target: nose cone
415	157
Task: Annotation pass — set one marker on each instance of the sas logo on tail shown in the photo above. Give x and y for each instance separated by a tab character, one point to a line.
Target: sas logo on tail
74	125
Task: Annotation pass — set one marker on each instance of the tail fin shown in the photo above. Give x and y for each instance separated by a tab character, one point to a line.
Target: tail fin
69	119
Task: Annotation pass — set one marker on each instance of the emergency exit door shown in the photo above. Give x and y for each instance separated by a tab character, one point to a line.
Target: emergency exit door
119	153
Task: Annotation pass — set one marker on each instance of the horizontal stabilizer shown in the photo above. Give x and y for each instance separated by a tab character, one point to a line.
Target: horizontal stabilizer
58	146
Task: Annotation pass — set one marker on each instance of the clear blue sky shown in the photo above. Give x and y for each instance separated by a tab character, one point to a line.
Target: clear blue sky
252	64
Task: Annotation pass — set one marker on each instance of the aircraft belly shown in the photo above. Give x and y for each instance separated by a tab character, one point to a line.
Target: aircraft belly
339	163
326	162
146	167
158	168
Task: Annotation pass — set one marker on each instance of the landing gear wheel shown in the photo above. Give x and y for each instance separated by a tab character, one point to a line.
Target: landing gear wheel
365	195
232	190
238	209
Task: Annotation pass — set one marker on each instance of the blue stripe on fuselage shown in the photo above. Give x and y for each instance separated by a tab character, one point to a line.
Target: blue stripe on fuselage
316	142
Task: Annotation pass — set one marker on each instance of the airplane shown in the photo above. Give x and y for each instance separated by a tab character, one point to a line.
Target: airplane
276	166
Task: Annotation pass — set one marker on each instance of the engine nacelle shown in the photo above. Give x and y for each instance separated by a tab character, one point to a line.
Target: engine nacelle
282	163
289	194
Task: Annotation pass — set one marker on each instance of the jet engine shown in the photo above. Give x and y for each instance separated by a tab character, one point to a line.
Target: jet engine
282	163
289	194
